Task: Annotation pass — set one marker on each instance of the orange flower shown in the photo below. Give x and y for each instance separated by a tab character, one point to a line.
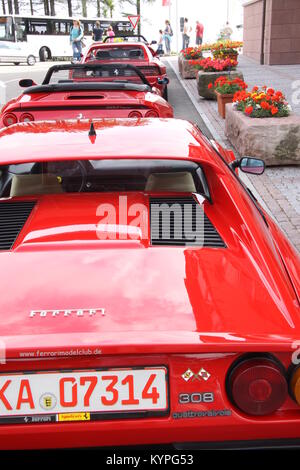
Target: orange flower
270	91
274	110
249	110
209	86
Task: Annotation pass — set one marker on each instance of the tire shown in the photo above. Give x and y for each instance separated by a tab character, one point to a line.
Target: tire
45	54
165	93
31	60
17	63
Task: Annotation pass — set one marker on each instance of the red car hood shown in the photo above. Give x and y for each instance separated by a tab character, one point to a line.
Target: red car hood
156	299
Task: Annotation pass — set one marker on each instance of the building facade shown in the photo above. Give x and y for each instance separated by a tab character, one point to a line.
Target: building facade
272	31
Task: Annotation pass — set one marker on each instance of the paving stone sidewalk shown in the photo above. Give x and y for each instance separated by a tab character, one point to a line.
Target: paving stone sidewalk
278	189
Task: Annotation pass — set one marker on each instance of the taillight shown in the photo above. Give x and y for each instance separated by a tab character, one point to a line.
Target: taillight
257	386
135	114
10	119
26	117
151	114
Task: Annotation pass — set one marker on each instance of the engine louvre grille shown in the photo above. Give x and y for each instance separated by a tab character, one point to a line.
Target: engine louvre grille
149	70
188	226
13	216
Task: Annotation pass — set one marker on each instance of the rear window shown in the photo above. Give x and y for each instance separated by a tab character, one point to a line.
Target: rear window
118	53
101	74
102	176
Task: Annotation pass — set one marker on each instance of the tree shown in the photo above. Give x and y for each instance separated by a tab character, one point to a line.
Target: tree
10	7
70	11
31	8
46	7
110	6
52	7
98	8
84	8
16	5
3	7
137	5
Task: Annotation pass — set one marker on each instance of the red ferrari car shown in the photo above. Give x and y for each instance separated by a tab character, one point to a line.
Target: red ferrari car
139	54
86	91
146	297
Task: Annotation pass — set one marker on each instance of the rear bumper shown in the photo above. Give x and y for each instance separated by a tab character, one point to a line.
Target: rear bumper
261	444
159	431
190	426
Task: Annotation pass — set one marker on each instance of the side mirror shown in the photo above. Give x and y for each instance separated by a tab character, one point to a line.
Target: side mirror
163	81
26	83
253	166
153	42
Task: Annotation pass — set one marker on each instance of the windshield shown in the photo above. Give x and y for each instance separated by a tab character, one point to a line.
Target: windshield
88	176
6	29
85	73
130	52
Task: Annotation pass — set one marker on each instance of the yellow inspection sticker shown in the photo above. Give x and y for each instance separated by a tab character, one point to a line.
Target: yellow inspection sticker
74	417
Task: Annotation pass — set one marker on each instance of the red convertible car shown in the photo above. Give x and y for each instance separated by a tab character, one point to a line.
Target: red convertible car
146	298
86	91
139	54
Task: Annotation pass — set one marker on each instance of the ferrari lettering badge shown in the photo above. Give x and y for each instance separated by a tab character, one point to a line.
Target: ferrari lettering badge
83	312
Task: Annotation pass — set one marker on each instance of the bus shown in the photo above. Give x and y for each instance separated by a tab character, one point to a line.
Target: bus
47	37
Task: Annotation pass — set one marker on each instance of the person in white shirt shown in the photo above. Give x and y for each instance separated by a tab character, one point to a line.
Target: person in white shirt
186	34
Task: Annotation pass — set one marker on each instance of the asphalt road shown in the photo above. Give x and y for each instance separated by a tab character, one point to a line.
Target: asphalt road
11	74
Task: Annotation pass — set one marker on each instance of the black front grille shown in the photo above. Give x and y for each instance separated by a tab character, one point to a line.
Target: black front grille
185	224
13	216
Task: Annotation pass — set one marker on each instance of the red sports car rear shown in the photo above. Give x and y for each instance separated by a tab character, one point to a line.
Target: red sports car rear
147	298
86	92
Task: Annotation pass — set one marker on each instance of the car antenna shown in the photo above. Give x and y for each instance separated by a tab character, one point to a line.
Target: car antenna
92	133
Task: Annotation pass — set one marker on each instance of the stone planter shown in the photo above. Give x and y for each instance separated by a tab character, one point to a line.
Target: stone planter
204	78
275	140
222	101
185	69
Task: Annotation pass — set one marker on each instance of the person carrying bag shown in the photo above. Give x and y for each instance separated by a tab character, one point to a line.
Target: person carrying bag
76	40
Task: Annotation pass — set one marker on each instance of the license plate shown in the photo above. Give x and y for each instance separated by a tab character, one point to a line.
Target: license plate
83	395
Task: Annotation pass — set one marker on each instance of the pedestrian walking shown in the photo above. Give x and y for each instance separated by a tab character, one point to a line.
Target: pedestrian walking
199	33
76	36
186	34
168	33
97	32
160	47
110	34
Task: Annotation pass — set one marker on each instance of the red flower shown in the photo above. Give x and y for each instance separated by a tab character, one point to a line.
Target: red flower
265	105
249	110
210	86
274	110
